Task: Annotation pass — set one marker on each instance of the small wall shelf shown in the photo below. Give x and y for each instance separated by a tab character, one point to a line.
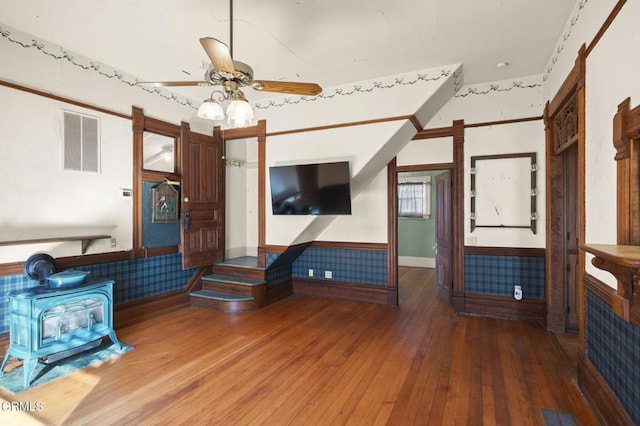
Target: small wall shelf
624	263
86	240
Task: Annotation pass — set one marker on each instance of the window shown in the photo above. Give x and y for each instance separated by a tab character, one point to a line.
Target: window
414	197
81	142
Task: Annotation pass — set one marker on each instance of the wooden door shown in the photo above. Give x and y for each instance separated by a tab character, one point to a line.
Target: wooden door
571	212
202	216
444	282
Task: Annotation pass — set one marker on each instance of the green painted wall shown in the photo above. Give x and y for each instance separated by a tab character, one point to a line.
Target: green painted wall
417	237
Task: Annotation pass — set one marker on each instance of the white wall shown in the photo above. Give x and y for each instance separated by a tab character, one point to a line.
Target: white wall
368	147
39	193
481	103
611	77
506	139
583	24
241	198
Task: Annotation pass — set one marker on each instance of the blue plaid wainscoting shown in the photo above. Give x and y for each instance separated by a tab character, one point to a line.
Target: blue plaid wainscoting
496	275
135	279
359	266
613	347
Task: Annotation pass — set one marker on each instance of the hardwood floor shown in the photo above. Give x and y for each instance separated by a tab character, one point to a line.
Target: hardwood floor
308	360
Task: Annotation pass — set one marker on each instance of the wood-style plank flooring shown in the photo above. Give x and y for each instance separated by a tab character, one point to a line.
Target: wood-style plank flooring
315	361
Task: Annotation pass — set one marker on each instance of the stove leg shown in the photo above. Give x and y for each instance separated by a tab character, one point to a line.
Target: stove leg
4	362
114	339
29	366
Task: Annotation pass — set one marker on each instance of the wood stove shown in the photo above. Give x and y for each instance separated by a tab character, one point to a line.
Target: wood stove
49	323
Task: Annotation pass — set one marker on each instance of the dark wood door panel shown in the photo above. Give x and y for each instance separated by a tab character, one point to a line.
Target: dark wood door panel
444	282
203	199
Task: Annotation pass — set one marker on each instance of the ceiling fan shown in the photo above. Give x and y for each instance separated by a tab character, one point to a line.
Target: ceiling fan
232	74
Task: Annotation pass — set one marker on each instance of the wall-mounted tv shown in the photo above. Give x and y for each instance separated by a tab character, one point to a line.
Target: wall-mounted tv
311	189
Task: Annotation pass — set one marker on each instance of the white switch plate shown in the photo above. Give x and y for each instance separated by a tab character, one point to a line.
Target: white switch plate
310	272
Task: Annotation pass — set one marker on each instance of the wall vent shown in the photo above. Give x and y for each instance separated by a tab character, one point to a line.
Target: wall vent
81	142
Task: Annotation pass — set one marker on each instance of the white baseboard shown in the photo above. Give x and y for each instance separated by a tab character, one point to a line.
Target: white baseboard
418	262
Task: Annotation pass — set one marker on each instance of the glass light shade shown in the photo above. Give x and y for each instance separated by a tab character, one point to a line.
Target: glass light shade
239	113
211	110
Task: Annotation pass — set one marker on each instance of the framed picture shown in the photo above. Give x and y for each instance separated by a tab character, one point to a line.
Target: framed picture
503	191
164	203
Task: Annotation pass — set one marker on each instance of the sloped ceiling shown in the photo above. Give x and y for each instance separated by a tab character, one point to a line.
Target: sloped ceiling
331	42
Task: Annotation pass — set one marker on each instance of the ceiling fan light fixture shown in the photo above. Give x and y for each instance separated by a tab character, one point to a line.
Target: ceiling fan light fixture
211	110
239	111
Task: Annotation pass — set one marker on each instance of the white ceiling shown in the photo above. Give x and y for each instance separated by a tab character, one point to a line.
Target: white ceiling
330	42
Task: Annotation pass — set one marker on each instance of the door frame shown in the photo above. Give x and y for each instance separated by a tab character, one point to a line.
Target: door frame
456	131
557	140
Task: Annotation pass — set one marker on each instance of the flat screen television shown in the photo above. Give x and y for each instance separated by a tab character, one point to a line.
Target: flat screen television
311	189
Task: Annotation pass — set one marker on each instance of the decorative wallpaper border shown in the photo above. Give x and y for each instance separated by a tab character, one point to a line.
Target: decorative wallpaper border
59	53
496	88
560	47
375	85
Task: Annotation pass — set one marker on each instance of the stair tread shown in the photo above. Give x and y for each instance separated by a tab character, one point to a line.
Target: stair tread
250	262
228	279
208	294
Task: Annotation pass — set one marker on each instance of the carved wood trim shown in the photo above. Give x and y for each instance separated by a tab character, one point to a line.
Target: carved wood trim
571	93
624	263
565	125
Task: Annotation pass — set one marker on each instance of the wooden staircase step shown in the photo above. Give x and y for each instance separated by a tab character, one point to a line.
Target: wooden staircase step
246	266
223	297
224	302
227	279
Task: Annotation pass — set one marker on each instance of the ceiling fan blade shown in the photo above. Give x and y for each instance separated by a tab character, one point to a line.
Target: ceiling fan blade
309	89
174	83
219	54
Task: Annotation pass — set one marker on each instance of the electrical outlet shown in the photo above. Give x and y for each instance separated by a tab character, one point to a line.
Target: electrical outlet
328	274
114	243
310	272
517	292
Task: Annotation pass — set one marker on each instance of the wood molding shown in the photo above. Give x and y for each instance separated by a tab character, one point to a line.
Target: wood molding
410	118
571	90
14	268
603	401
624	263
599	289
347	291
392	223
270	248
440	132
262	189
278	291
504	251
443	132
530	310
457	208
605	26
138	310
502	122
349	245
63	99
424	167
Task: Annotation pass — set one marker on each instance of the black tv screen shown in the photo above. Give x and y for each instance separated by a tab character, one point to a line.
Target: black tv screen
311	189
